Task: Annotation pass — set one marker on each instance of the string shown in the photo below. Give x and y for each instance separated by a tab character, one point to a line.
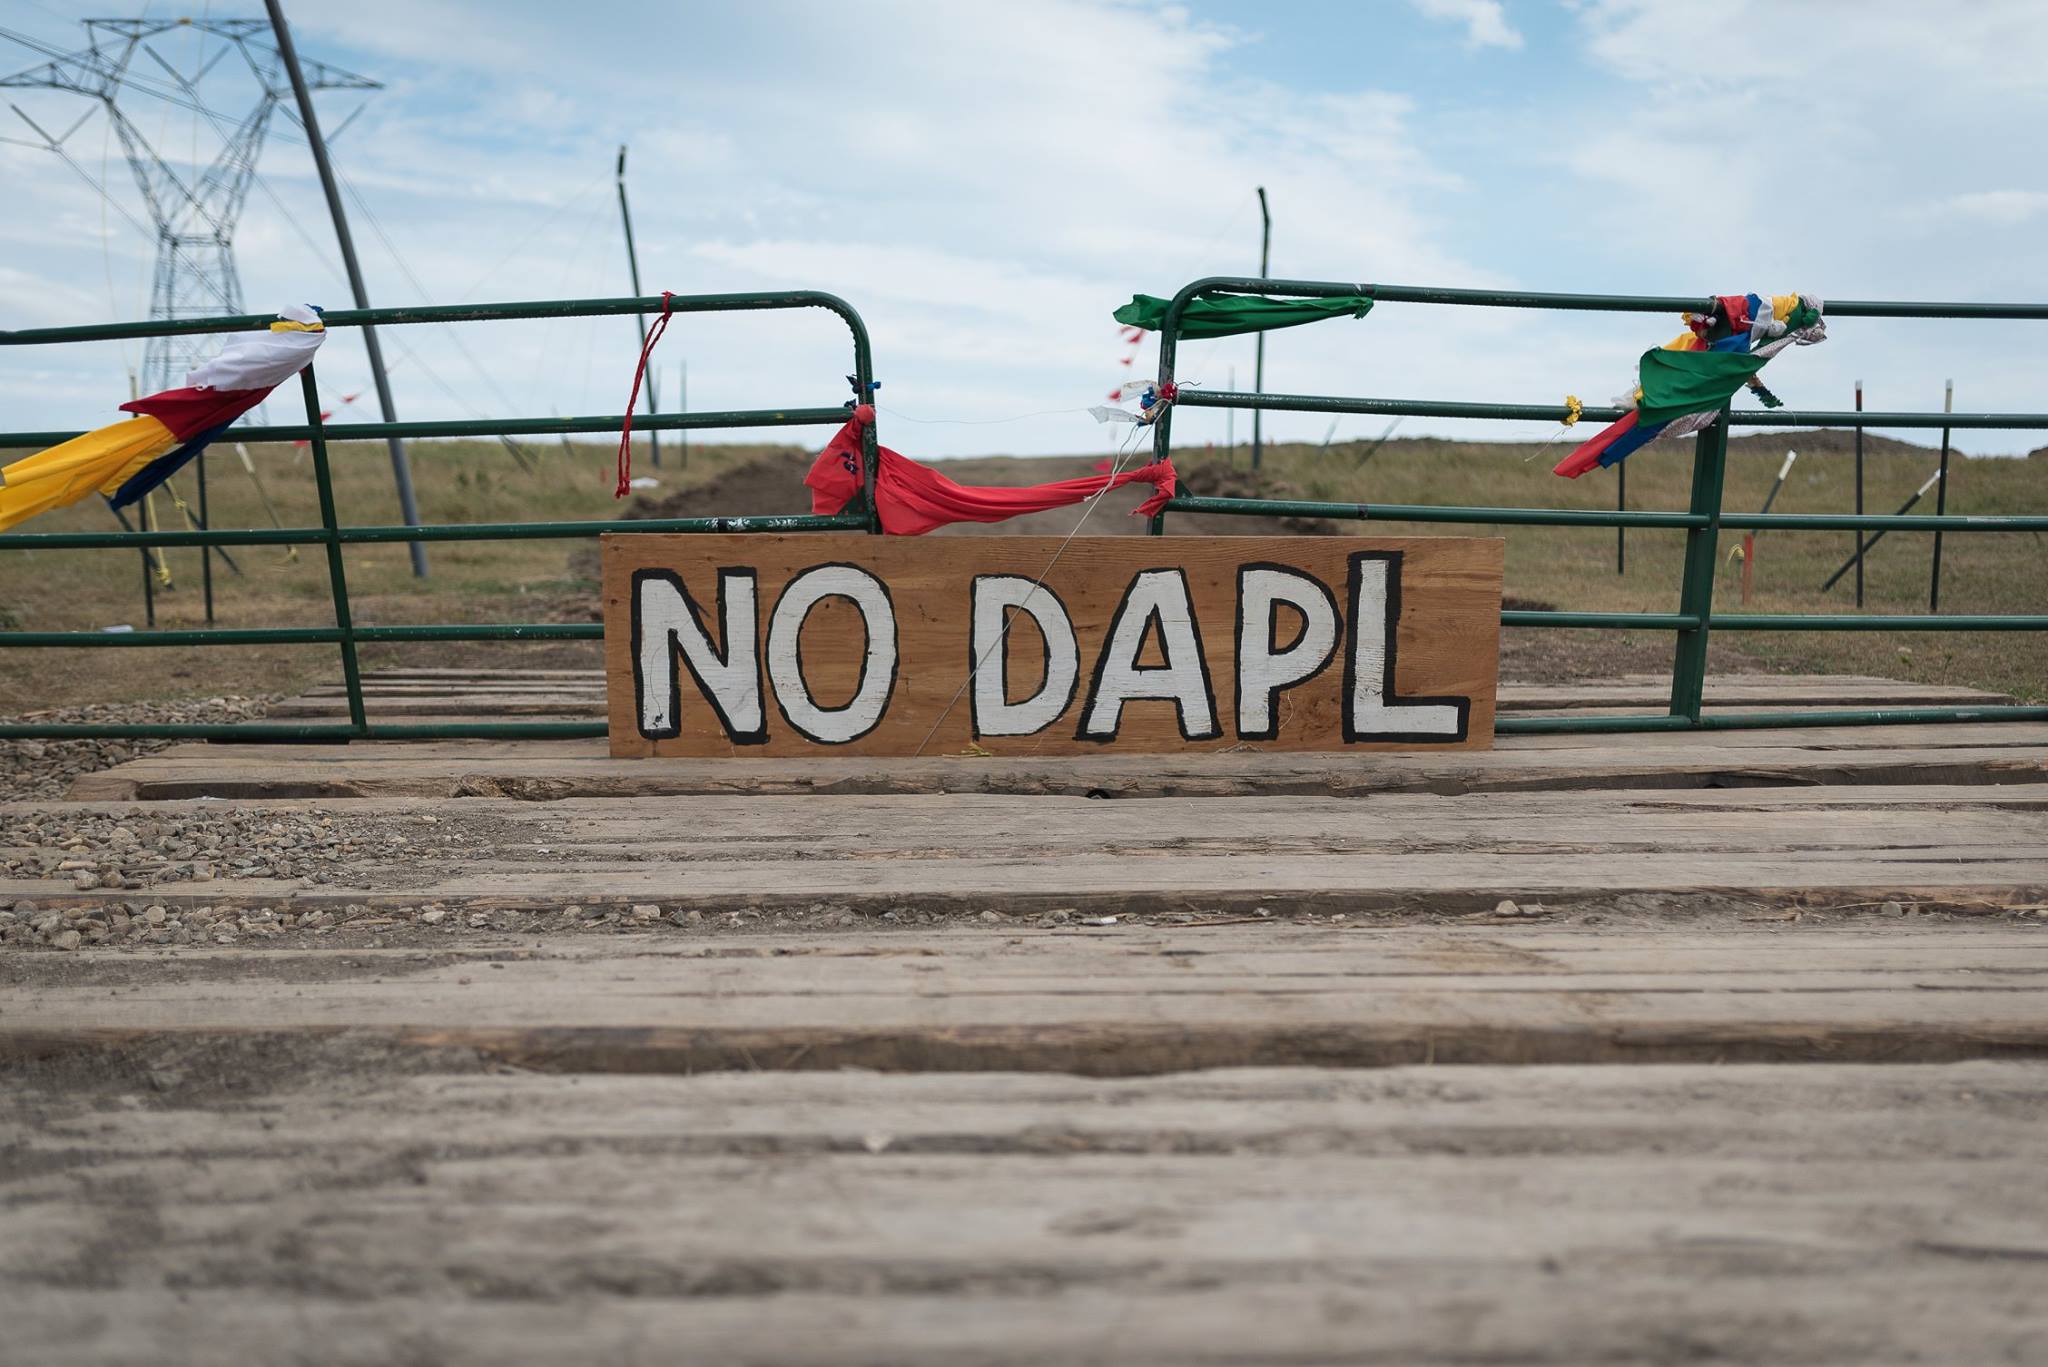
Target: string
979	422
633	400
1108	482
1548	442
1573	407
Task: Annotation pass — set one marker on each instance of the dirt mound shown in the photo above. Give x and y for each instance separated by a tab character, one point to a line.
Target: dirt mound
767	484
1229	481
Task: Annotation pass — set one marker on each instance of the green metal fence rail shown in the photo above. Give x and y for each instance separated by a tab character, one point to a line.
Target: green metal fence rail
330	534
1691	625
1695	620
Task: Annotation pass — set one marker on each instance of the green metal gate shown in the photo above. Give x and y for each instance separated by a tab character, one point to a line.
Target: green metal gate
334	536
1702	522
1691	624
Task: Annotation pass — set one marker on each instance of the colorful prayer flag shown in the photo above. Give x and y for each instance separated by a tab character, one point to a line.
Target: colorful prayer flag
128	459
1682	386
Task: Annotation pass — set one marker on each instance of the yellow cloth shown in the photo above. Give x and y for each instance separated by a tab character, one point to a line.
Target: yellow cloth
102	460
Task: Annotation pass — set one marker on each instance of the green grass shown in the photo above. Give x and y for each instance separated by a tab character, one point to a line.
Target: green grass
1575	568
550	580
471	581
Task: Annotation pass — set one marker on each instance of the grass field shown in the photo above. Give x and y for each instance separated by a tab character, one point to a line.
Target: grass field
549	581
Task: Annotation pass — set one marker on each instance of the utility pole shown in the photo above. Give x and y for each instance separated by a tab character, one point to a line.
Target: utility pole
633	264
1259	364
1948	405
401	470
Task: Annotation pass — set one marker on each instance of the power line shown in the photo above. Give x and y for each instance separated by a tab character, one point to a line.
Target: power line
193	214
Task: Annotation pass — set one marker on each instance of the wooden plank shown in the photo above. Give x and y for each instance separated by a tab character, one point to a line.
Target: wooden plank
1410	658
1139	1001
2002	753
1826	1213
1290	854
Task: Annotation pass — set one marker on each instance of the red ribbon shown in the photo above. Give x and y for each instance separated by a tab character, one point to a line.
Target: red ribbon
633	400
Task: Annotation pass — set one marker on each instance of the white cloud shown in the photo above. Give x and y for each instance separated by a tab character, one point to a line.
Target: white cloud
1486	22
985	188
2004	207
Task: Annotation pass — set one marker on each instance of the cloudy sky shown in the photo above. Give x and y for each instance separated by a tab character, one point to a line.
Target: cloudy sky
987	182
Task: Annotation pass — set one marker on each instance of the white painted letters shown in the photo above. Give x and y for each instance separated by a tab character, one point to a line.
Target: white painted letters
1155	596
1371	709
834	726
998	597
1263	670
666	623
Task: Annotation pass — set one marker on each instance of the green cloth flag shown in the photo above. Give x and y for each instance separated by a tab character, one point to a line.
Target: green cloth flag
1229	314
1676	383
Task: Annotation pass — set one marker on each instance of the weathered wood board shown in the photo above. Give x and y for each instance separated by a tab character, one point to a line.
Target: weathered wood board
764	645
1116	1000
1282	854
1987	753
324	1211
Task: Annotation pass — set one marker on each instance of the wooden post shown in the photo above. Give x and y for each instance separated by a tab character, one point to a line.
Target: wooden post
1749	541
205	549
148	573
1857	540
1948	405
1621	506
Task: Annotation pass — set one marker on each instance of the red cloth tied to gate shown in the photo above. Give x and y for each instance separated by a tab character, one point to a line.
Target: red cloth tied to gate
916	498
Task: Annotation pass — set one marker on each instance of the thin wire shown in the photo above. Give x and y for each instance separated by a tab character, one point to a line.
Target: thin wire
521	244
1108	482
106	243
377	227
1210	245
978	422
571	261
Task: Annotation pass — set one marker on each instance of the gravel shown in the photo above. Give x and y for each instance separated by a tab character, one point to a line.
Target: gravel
144	925
45	768
140	924
141	848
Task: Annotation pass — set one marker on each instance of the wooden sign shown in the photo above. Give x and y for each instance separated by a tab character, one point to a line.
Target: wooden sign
869	645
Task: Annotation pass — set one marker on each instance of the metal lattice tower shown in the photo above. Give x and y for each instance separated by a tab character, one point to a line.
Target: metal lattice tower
194	214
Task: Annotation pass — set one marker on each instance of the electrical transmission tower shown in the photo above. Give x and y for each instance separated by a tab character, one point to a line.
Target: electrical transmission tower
193	214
